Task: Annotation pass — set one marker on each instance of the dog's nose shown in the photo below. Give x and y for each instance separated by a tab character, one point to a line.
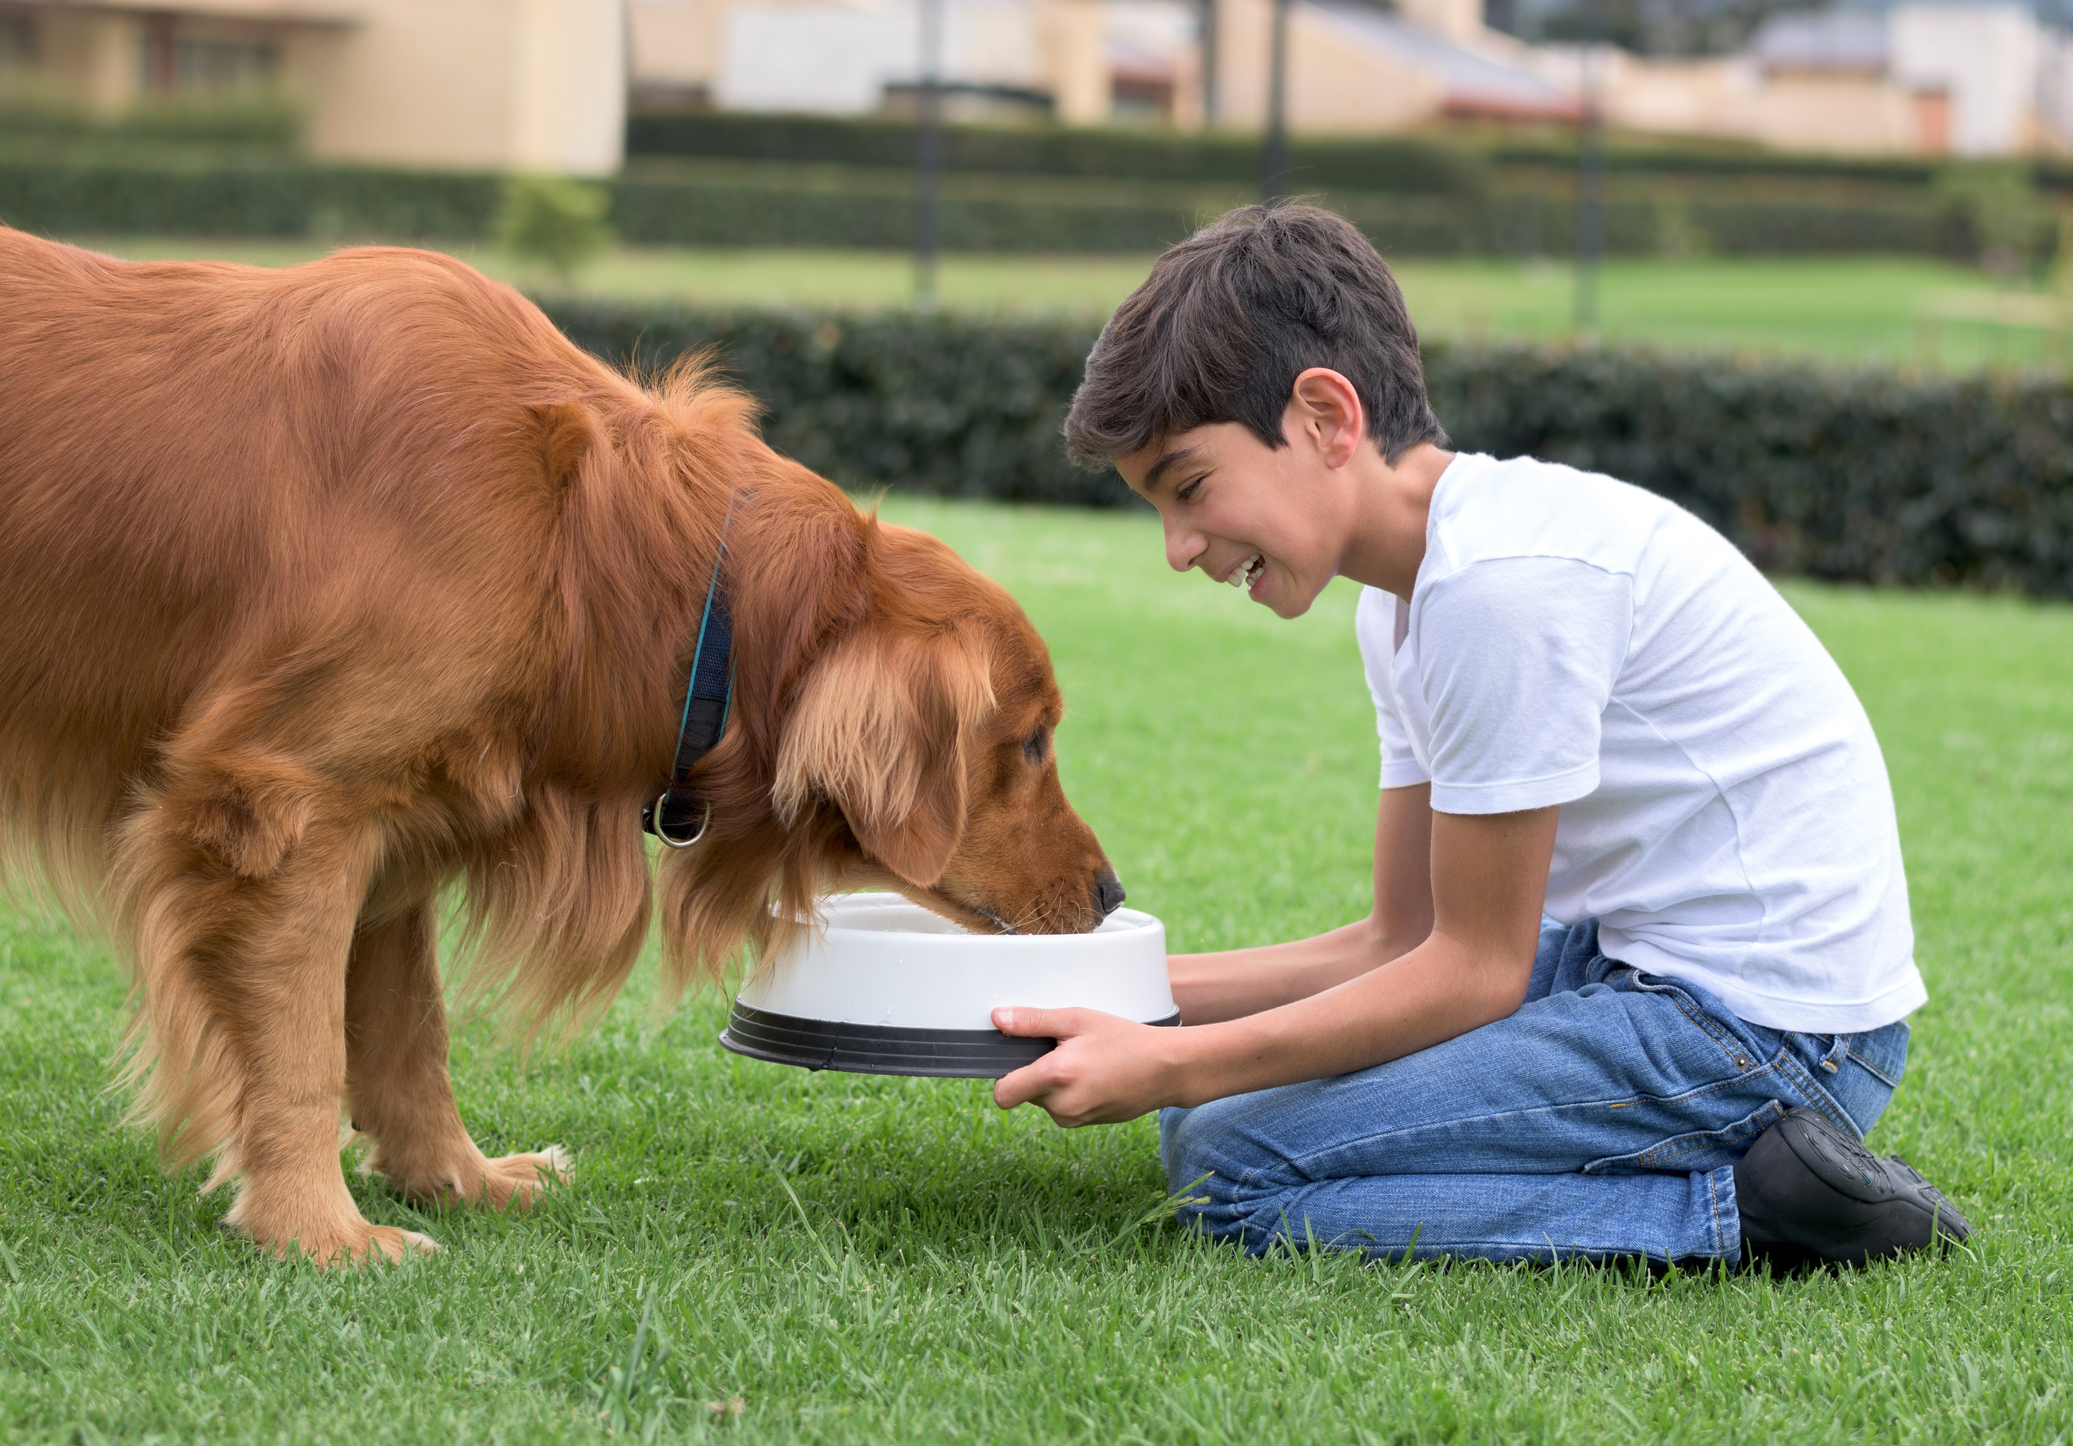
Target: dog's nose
1108	891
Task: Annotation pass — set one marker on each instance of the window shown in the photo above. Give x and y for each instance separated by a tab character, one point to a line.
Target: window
176	64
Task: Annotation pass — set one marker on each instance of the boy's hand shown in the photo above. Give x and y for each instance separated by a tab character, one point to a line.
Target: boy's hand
1489	879
1105	1070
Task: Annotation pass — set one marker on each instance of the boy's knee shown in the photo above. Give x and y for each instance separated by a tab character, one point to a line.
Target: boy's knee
1202	1149
1177	1143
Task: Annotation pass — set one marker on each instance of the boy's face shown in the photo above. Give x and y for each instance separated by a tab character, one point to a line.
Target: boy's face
1273	520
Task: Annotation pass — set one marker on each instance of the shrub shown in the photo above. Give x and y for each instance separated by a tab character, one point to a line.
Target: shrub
262	197
1847	474
1404	164
938	402
553	220
259	199
43	124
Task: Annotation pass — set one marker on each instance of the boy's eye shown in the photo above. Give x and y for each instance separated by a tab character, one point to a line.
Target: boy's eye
1187	493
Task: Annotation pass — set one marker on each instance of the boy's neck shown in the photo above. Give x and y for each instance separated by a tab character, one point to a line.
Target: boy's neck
1388	542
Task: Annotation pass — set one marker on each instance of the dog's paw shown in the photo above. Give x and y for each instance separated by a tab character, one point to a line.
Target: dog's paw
393	1244
355	1244
464	1176
516	1179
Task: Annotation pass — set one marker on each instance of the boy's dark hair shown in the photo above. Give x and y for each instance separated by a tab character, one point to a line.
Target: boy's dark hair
1231	317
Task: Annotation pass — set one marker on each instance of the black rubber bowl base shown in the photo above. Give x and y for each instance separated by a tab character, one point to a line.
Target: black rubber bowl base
880	1048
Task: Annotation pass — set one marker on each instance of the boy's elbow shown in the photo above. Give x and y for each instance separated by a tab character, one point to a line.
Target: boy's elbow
1384	939
1504	987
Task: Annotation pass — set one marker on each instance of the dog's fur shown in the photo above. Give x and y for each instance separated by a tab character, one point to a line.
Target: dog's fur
325	588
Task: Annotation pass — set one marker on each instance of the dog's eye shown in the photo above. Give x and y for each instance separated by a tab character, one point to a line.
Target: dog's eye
1033	745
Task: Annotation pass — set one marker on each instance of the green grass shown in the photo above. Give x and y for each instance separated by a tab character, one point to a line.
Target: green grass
1850	308
862	1259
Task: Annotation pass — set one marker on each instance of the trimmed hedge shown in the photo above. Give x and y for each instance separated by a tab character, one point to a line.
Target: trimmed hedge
1850	475
1403	164
278	200
881	216
1426	196
953	404
876	210
246	200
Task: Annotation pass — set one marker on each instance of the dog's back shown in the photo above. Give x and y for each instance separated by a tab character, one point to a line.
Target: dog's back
214	472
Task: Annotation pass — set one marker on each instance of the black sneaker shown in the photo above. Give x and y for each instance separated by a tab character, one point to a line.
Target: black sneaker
1809	1192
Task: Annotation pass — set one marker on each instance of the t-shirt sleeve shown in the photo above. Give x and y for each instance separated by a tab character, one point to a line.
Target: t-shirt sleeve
1517	658
1375	625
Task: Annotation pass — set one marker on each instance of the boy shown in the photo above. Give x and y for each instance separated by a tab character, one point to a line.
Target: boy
1592	710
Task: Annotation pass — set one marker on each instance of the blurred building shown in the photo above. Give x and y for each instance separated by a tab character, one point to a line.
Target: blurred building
1356	65
1918	78
1921	79
1002	59
522	85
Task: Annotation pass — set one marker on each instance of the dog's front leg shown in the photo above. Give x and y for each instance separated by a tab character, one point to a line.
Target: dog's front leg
397	1086
242	909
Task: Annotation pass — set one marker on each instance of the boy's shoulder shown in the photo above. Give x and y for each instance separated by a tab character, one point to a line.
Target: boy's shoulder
1486	509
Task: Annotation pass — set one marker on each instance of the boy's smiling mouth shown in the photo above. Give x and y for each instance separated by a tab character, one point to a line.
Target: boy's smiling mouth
1247	572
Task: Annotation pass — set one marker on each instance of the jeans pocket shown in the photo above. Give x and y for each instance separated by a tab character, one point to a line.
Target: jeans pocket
1736	1051
1698	1150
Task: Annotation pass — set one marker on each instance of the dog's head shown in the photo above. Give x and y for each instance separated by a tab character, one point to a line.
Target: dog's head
928	729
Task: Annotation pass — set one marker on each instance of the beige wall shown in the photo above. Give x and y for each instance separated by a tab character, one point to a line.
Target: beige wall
1842	112
1865	114
94	56
522	85
1334	86
1075	59
674	42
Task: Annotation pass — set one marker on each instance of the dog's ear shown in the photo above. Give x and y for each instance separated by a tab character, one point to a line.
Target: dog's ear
881	729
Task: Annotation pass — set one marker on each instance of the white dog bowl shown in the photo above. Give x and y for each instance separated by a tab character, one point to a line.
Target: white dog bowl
881	986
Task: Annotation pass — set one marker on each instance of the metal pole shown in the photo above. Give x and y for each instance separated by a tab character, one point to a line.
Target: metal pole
1274	161
928	158
1206	24
1590	199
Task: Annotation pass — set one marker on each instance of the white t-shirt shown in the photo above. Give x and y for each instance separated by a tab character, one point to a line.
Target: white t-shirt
1726	815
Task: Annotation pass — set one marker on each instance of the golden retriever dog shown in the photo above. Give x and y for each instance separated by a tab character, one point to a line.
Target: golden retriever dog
325	589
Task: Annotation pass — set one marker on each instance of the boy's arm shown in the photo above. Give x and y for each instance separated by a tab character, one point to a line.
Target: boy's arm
1489	880
1209	988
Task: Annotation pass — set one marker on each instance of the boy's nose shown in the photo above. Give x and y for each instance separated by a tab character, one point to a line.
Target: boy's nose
1183	547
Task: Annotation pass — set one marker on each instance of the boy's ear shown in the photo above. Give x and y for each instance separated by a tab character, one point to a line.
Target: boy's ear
881	730
1329	410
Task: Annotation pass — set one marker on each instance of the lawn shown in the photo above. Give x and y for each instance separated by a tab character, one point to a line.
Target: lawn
1849	308
824	1257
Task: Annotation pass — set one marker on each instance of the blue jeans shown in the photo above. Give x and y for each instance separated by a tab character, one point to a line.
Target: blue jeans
1602	1120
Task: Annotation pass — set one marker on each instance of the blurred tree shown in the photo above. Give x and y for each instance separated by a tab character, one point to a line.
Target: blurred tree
554	220
2012	226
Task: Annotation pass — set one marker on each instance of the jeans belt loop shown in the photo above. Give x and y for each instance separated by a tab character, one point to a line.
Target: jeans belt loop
1839	1046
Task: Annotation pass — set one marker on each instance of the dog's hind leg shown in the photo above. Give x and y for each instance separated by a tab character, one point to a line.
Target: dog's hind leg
243	892
397	1086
